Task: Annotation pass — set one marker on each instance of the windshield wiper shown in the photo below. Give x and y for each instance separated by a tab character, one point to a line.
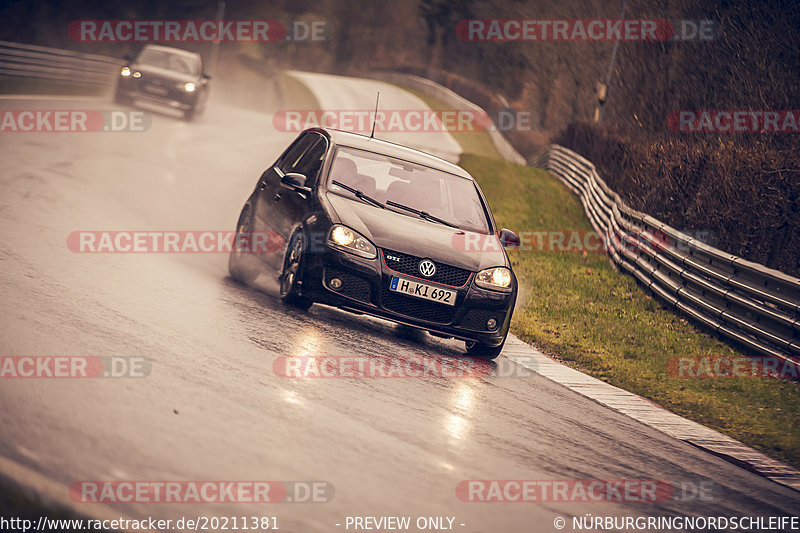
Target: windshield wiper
360	195
422	214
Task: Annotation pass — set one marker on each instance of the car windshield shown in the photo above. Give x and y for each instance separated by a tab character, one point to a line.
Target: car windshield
443	195
170	61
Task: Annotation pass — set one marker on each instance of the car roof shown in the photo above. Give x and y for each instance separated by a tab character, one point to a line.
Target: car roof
171	50
355	140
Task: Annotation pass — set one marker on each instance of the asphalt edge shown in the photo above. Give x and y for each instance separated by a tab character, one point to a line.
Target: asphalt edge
652	415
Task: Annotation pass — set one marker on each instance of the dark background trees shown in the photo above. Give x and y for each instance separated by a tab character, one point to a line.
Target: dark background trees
741	187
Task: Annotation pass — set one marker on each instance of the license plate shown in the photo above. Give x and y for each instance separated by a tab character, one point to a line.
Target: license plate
423	290
155	89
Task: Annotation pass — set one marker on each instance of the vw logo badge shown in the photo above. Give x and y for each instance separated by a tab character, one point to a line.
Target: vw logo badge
427	268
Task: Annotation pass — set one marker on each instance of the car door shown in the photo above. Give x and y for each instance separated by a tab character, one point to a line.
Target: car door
277	209
292	206
264	213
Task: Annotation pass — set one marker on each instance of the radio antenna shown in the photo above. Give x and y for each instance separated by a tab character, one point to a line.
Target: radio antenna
375	117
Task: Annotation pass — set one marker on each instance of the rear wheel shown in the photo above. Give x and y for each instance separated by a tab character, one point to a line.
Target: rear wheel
235	257
292	272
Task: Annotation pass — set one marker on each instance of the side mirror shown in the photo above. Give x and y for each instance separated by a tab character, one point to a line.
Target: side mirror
508	239
295	181
206	76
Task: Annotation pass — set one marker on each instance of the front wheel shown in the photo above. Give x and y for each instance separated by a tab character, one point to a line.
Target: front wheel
291	275
198	107
190	114
121	97
479	349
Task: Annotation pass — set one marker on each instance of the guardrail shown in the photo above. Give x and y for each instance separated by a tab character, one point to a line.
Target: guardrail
39	62
748	303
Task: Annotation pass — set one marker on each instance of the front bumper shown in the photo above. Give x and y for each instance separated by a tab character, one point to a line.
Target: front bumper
157	92
365	288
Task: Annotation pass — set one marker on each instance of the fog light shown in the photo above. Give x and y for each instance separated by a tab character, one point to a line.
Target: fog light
491	324
335	284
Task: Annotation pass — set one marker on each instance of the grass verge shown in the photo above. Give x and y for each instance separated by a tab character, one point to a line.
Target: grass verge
577	308
478	142
296	95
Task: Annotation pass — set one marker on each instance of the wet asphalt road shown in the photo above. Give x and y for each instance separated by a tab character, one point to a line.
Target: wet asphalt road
212	407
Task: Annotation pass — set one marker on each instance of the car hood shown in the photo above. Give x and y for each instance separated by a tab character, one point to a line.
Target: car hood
415	236
164	74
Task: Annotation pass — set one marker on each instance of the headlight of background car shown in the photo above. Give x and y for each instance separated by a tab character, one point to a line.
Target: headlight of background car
351	241
497	279
125	72
189	87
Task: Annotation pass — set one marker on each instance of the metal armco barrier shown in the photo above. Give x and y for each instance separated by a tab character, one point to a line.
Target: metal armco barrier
755	306
29	61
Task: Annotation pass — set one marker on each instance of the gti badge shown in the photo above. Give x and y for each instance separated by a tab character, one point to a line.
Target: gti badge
392	257
427	268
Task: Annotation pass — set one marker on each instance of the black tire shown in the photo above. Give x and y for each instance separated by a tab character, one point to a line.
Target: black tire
234	258
190	114
121	97
202	102
197	108
290	292
479	349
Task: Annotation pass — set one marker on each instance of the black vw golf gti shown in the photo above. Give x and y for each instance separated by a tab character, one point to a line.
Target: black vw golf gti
374	227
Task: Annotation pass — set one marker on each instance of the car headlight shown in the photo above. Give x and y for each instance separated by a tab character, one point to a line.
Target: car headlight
125	72
189	87
344	238
497	279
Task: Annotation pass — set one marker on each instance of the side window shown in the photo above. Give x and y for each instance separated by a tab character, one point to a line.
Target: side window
311	162
306	157
294	153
